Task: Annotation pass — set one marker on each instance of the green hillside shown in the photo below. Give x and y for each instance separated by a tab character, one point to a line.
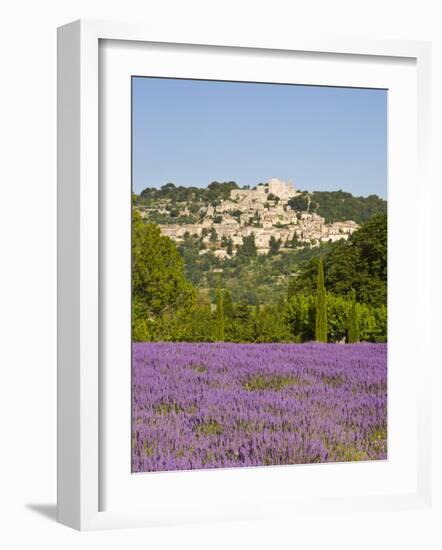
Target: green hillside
339	205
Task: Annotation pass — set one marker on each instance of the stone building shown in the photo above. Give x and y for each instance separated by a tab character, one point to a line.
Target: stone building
249	211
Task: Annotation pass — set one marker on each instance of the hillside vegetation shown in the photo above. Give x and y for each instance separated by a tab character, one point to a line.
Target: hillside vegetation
179	295
332	205
337	206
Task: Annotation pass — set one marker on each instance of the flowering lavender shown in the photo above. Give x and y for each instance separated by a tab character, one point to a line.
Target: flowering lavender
228	405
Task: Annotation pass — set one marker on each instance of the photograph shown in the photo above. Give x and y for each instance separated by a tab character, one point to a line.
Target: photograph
259	274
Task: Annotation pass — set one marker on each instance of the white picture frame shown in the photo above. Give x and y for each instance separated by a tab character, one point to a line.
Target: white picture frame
80	293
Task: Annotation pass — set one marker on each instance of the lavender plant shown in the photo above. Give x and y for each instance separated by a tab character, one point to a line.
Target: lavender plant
228	405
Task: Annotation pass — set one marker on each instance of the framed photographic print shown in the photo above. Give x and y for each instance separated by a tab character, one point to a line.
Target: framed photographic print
234	237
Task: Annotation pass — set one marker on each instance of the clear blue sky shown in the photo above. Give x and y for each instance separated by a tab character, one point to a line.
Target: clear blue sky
192	132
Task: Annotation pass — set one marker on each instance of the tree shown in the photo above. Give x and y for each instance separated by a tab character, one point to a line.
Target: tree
242	326
270	326
159	286
274	246
219	336
294	243
321	306
220	190
353	321
299	203
337	317
381	322
371	241
360	263
201	325
256	219
341	206
272	197
229	248
341	268
228	305
168	187
248	247
291	288
300	317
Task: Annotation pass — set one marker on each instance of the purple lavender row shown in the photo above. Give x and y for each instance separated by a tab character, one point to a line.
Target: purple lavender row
229	405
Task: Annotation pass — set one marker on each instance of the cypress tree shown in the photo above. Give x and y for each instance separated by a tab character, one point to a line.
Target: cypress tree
229	247
321	306
227	305
257	322
353	322
219	316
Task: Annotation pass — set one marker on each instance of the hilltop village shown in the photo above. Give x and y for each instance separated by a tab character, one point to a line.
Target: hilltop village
267	212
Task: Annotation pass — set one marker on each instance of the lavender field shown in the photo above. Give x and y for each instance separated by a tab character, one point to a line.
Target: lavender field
229	405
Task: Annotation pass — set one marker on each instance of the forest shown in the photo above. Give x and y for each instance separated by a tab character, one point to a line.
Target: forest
339	205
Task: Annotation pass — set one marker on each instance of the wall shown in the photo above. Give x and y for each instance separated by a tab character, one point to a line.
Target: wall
28	289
